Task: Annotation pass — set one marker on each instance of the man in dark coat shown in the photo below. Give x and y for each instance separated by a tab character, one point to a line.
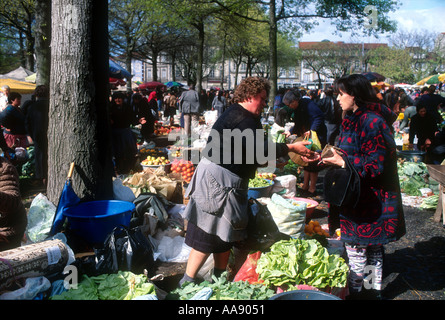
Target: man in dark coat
36	123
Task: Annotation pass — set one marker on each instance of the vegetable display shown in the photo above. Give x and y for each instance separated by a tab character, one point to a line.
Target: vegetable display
183	167
430	203
155	161
222	289
299	261
258	182
123	285
414	176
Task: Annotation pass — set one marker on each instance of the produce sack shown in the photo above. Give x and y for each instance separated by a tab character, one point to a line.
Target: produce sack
262	231
125	249
286	186
247	272
289	215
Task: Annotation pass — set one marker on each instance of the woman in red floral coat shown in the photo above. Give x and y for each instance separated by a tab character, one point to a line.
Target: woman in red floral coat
367	139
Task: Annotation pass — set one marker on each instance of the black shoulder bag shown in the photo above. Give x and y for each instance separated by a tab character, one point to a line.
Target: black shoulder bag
342	186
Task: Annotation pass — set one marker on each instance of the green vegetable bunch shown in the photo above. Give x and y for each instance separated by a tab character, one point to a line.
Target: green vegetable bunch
300	261
430	202
222	289
414	176
258	182
123	285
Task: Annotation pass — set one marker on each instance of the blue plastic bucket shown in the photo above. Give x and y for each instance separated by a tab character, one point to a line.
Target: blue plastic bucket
304	295
93	221
260	192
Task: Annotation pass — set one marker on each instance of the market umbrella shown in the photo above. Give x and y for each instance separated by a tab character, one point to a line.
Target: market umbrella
442	77
116	71
172	84
424	80
380	84
68	198
21	87
434	79
31	78
374	76
117	82
151	85
18	74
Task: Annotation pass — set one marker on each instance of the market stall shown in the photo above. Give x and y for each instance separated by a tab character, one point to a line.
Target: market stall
146	216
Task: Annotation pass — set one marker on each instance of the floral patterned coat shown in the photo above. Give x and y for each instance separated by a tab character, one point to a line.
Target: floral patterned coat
367	138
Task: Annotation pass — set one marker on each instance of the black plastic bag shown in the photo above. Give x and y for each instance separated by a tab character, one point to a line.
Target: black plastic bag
144	202
262	231
126	250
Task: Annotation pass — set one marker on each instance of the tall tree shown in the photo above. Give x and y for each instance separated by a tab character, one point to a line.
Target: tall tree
300	16
79	128
127	25
394	63
42	41
19	15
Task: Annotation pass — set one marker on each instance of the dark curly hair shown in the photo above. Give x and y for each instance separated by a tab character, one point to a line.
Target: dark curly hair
251	87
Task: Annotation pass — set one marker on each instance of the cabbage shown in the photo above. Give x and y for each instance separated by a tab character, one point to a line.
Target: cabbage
300	261
123	285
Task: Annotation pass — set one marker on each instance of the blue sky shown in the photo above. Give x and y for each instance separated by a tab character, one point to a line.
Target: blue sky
412	15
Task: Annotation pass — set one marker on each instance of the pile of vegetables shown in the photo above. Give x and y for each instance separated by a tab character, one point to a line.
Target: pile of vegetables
222	289
123	285
299	261
430	203
414	176
291	168
259	182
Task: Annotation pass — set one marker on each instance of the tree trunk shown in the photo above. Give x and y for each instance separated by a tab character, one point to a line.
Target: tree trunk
155	66
128	67
43	40
79	128
223	62
200	61
273	51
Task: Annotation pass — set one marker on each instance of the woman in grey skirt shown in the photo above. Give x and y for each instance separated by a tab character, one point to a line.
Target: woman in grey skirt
217	211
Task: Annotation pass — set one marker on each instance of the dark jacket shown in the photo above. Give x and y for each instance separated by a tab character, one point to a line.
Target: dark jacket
13	219
189	102
366	137
236	117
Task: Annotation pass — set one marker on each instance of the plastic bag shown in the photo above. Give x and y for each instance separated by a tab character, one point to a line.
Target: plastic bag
289	215
262	231
172	250
33	286
247	272
128	250
286	184
40	218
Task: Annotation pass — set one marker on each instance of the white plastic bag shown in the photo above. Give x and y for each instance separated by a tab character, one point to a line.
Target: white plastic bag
33	286
289	216
40	218
285	185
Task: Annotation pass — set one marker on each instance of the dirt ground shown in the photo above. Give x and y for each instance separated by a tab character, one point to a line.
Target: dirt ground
414	266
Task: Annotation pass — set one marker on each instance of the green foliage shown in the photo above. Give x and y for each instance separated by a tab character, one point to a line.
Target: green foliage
394	63
299	261
222	289
123	285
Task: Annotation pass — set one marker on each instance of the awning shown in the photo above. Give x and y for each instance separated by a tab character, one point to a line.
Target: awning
18	86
